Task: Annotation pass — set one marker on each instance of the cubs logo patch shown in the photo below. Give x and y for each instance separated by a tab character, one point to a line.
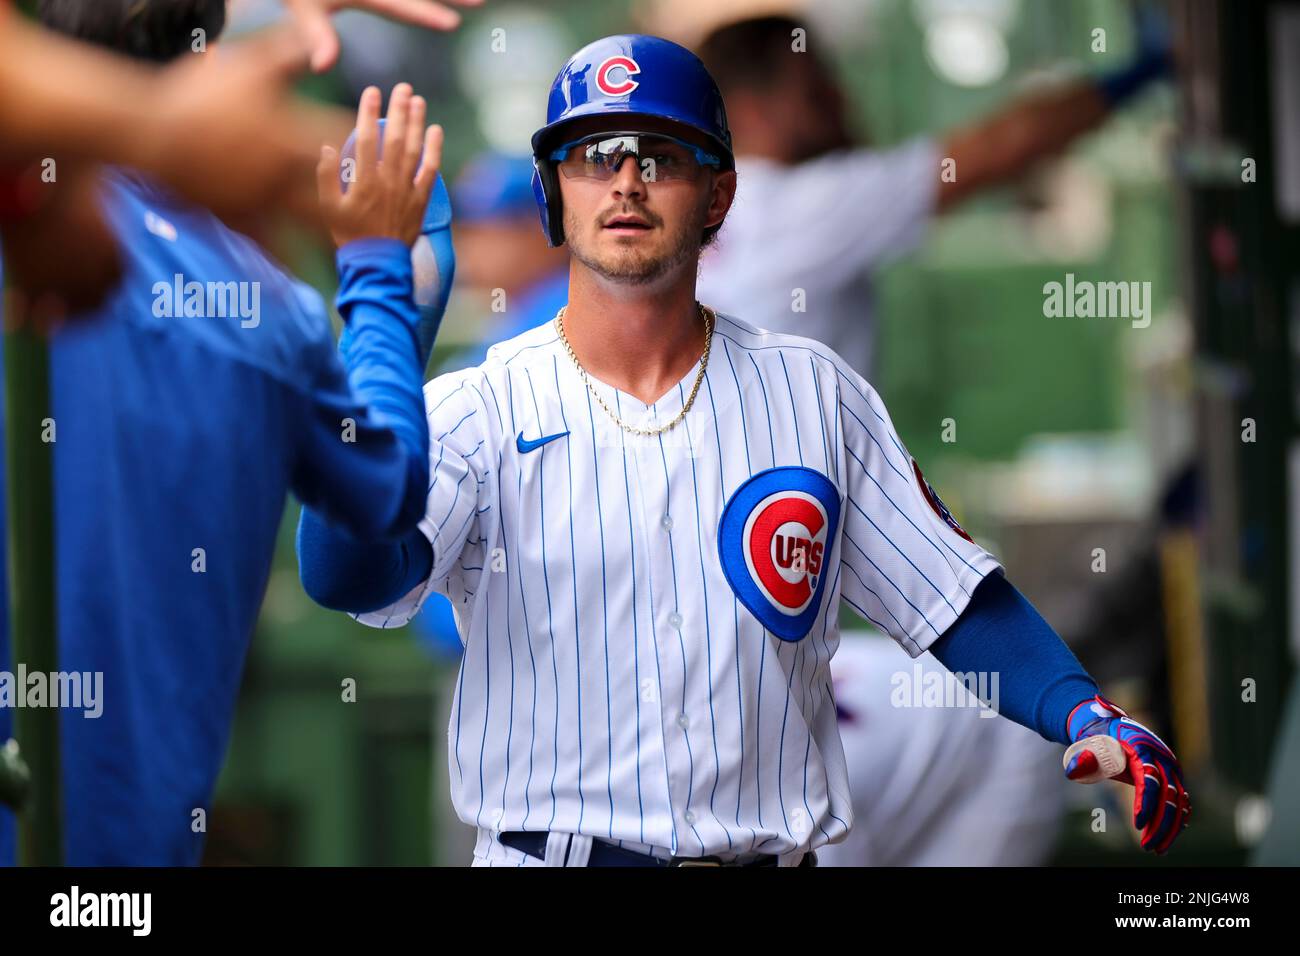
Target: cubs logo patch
614	75
775	541
936	503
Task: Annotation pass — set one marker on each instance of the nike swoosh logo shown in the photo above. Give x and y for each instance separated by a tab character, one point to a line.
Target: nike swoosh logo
525	445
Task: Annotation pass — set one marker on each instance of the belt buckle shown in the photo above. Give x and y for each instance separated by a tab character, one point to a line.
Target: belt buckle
696	861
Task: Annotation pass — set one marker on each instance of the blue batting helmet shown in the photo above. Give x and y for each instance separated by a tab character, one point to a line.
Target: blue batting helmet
626	76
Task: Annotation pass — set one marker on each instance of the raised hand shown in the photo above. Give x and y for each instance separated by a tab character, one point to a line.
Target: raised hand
391	179
313	17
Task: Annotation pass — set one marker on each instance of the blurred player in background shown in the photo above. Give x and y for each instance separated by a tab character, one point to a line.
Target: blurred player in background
817	211
205	388
936	786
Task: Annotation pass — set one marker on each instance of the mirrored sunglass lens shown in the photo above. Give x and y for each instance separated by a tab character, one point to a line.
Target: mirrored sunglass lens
594	159
612	146
666	159
658	157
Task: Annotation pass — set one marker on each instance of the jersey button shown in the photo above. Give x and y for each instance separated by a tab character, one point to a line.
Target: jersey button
683	721
675	620
667	522
688	817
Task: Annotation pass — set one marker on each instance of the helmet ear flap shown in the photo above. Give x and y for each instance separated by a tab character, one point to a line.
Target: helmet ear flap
546	190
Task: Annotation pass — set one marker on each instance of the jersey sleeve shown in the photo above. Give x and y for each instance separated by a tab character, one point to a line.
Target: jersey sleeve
907	566
462	489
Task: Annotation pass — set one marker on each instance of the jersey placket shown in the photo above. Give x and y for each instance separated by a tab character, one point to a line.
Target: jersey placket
666	620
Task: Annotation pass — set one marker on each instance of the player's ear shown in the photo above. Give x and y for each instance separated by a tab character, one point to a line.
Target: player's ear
722	194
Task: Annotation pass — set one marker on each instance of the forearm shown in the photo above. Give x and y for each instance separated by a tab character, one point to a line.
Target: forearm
98	109
379	347
1039	680
1044	124
1005	145
365	460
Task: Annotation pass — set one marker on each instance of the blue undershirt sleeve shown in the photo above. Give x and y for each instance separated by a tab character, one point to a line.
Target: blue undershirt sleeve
1039	679
359	576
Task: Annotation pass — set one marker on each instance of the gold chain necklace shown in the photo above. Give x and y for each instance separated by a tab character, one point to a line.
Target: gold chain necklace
704	364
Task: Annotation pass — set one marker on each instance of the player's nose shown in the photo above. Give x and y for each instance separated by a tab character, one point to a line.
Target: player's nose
627	179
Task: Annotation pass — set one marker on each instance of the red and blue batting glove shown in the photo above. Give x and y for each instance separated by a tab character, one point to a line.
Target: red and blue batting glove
1161	807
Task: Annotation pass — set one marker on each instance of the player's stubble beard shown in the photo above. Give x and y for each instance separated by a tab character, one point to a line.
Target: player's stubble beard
631	264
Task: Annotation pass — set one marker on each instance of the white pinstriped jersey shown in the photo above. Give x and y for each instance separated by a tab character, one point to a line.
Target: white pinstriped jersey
648	621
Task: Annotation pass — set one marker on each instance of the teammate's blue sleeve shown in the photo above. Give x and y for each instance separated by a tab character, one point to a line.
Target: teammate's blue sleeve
383	354
1039	679
363	462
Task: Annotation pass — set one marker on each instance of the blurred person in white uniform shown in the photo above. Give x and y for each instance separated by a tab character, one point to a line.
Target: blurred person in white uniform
818	211
936	786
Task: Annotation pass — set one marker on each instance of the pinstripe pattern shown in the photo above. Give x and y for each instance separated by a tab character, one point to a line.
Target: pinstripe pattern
612	683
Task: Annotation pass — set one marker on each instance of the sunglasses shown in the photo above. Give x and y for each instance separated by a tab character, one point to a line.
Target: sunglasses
658	155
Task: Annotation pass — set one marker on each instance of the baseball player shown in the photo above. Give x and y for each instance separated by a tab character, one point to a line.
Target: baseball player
205	388
646	514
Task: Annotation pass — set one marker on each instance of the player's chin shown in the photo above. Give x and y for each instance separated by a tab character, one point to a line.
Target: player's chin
627	252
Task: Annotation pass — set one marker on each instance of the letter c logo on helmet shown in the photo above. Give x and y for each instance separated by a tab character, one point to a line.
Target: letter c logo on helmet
612	88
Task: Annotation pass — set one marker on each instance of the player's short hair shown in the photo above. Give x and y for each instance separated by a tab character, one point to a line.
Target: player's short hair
158	30
748	54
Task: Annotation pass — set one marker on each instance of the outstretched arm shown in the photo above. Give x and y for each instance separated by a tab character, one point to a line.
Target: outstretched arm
1042	686
913	571
363	445
384	348
1004	145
